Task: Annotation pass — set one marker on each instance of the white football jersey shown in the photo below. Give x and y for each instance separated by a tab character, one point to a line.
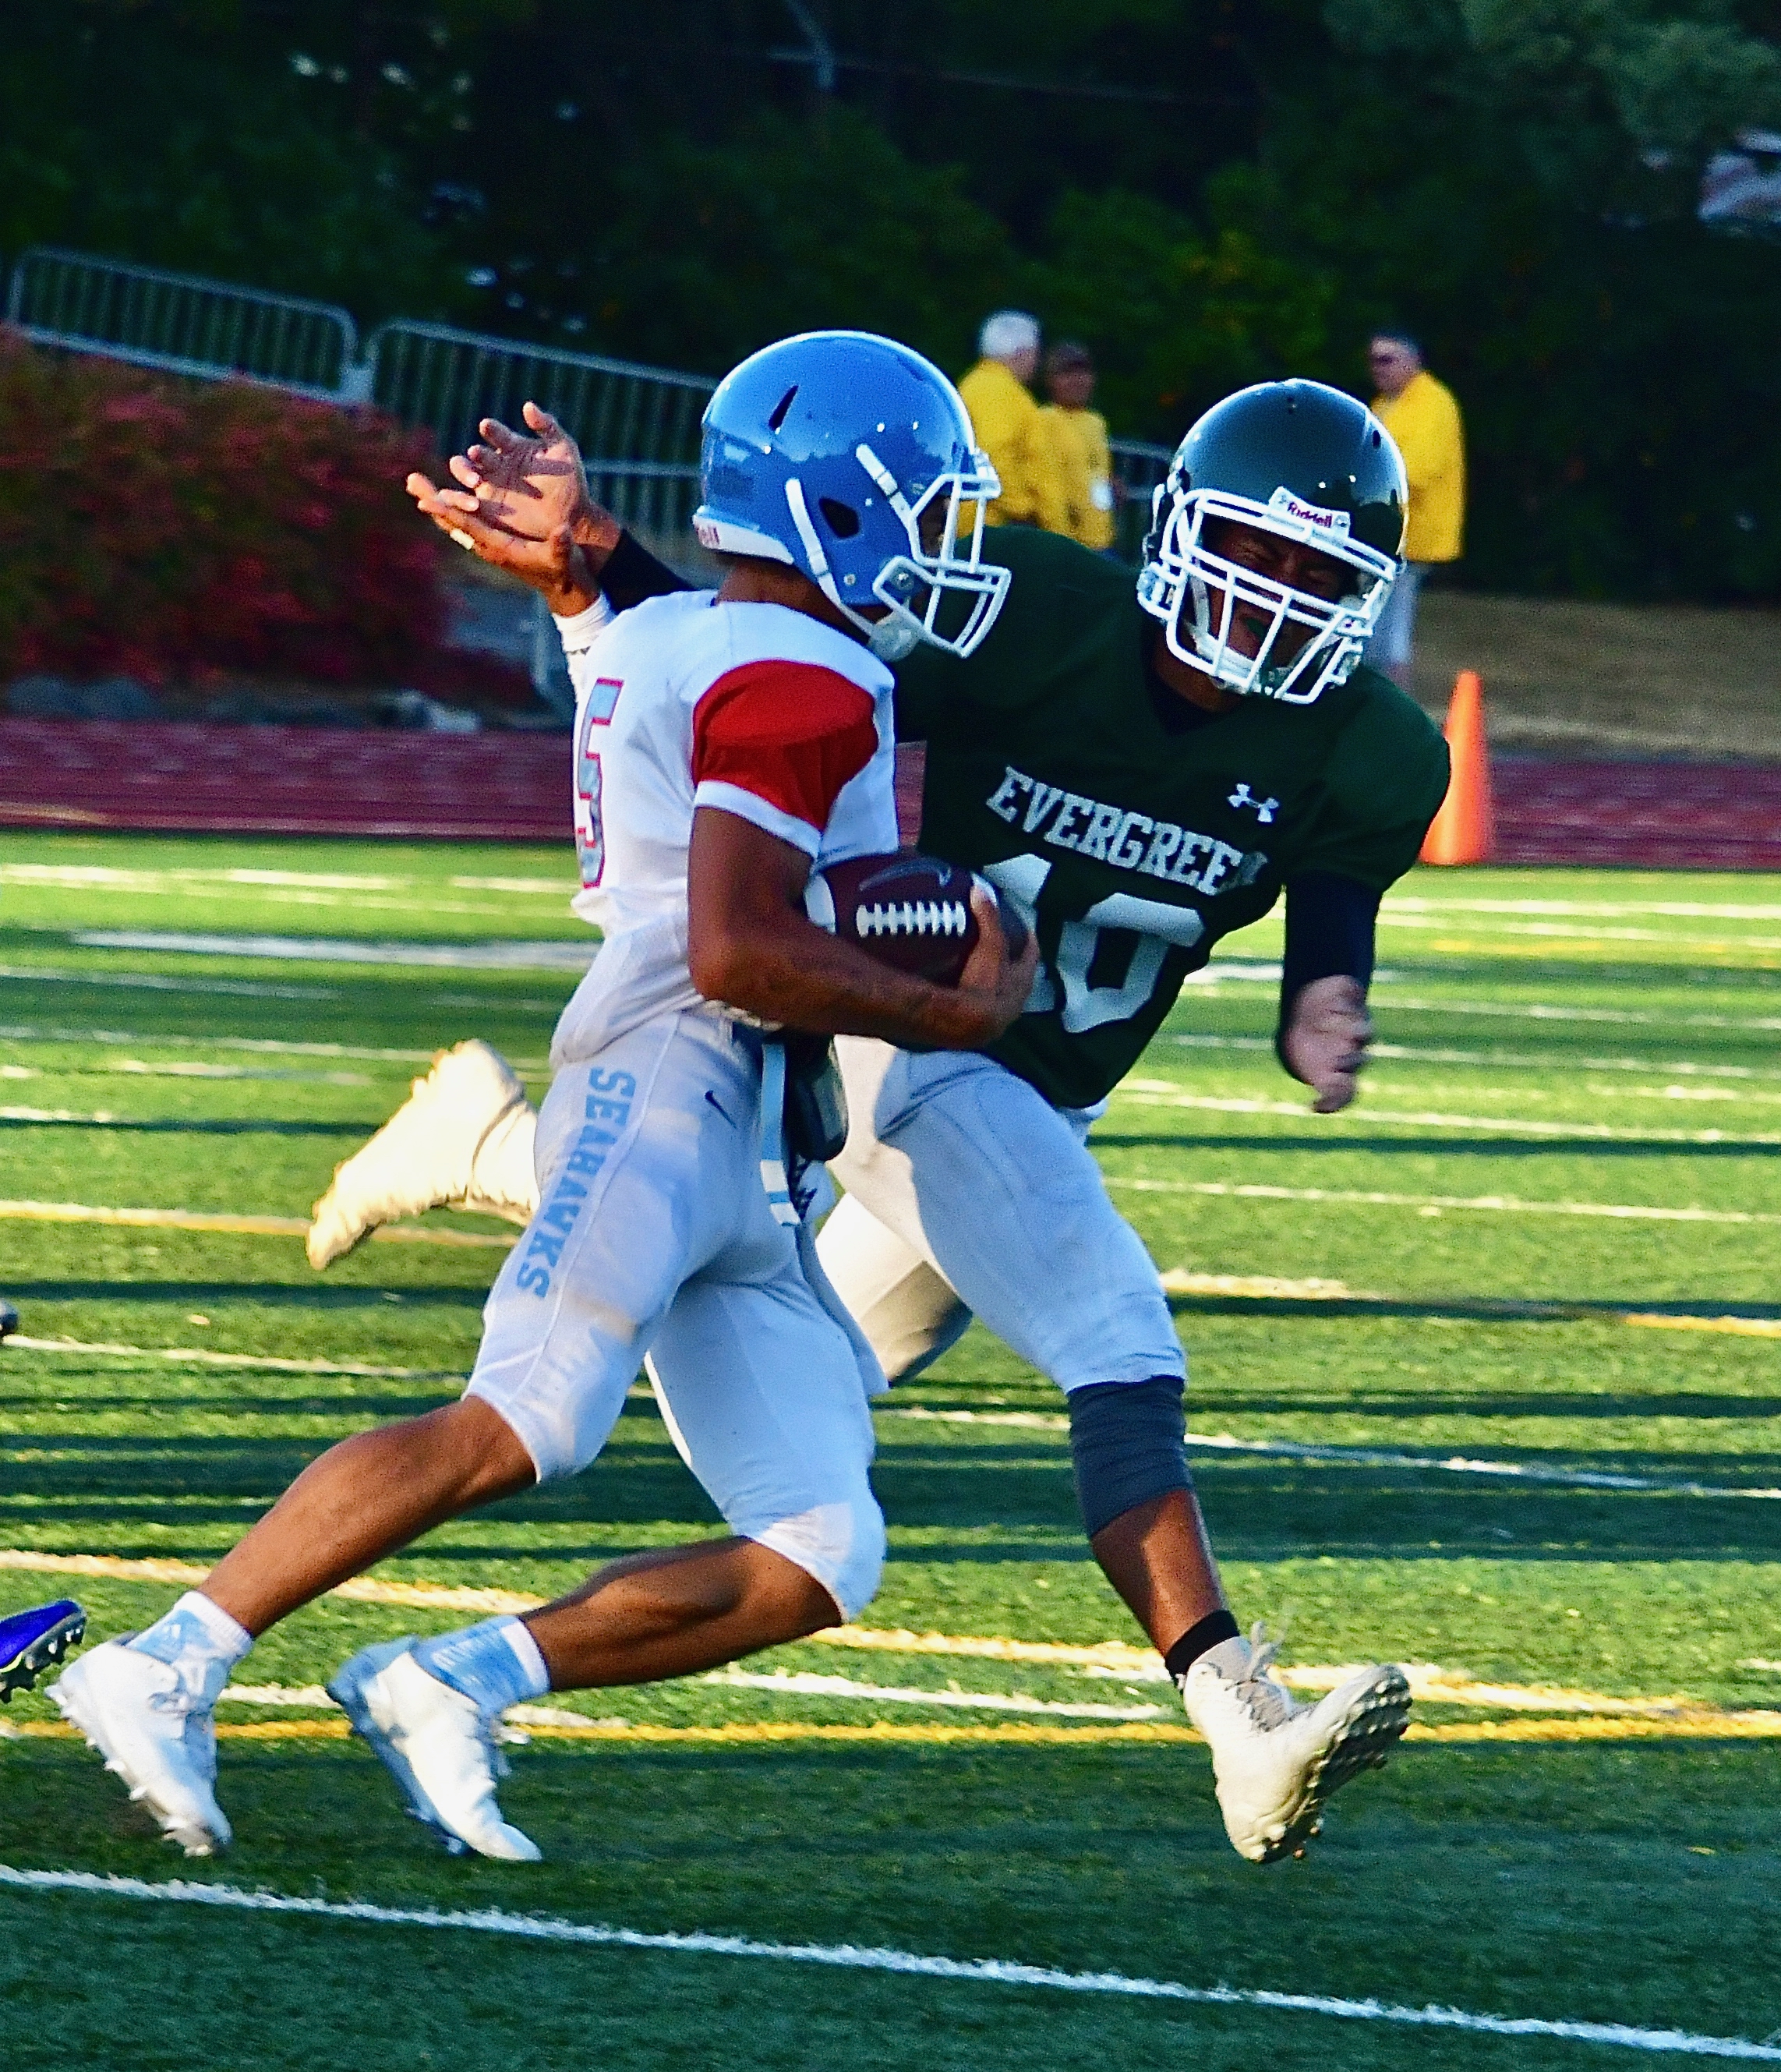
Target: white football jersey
683	702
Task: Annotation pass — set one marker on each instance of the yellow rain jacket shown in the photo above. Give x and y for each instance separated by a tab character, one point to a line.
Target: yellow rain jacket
1425	422
1085	463
1011	431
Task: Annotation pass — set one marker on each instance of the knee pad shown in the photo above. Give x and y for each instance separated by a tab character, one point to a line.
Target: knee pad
1125	1444
841	1544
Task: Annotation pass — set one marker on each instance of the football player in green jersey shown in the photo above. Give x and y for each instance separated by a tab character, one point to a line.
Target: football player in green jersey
1140	774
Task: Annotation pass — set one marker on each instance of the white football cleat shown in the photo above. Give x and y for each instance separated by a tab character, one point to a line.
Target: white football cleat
435	1742
425	1155
155	1734
1277	1763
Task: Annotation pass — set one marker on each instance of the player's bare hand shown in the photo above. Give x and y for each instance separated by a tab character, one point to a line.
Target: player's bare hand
553	565
533	483
1326	1041
994	988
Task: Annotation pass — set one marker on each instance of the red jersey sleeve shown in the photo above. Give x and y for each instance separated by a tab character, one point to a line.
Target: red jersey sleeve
790	734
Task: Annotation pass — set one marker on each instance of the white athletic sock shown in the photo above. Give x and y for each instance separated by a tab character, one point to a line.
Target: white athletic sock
497	1664
200	1641
1230	1658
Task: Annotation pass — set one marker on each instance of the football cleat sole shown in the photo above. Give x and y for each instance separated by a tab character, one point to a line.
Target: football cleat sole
1370	1727
20	1671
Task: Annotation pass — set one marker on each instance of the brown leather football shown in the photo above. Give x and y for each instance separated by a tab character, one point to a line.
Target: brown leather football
906	910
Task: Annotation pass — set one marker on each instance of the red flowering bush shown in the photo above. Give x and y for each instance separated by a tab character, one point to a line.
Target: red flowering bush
163	529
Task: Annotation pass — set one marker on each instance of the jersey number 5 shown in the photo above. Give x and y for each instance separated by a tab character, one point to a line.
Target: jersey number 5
1159	927
590	833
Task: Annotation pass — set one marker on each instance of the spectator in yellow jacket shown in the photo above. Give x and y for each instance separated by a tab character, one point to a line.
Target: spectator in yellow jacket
1422	417
1079	443
1009	427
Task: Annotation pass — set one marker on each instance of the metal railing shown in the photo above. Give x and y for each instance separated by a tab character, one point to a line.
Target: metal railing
1138	467
637	427
184	324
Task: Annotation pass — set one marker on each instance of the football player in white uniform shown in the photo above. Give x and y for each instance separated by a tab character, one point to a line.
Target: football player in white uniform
730	742
966	1175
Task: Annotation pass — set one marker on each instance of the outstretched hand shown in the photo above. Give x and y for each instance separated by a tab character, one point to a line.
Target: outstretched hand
1325	1043
522	504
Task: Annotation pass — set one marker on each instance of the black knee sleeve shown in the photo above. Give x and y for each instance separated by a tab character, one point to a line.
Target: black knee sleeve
1126	1445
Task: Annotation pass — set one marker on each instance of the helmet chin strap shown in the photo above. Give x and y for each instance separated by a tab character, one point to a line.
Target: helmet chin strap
892	637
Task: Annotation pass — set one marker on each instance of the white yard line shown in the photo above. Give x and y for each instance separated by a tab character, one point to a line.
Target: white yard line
1572	932
111	878
192	1069
1547	1011
559	956
1591	909
19	1032
1163	1093
992	1971
1378	1198
1364	1457
202	1356
159	982
1544	1061
230	1225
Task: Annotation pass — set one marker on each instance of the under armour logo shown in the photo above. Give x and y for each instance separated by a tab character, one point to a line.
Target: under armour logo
1264	808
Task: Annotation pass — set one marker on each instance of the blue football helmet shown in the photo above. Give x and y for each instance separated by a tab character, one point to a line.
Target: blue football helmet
853	460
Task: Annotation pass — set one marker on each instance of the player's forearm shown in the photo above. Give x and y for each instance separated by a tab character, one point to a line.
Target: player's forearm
785	969
1331	922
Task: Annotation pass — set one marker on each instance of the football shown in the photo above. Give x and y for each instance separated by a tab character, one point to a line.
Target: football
908	911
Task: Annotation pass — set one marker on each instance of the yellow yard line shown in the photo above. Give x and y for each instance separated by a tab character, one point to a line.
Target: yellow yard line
1749	1327
1242	1287
234	1226
1430	1682
1698	1726
1265	1288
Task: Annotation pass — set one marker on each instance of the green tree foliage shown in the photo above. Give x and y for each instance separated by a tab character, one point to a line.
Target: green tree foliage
1208	191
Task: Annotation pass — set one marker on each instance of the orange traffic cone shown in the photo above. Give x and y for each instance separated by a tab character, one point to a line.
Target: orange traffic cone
1464	831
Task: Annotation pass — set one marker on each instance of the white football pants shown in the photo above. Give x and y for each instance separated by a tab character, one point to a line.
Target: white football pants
967	1191
653	1236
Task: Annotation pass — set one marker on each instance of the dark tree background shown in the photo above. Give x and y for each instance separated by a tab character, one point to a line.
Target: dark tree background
1208	192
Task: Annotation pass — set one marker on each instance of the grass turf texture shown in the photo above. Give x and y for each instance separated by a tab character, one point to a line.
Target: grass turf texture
1529	1010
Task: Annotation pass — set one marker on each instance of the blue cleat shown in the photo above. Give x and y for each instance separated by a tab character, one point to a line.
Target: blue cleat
31	1641
9	1320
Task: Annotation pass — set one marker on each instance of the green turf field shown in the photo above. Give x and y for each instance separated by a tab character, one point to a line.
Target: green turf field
1546	1240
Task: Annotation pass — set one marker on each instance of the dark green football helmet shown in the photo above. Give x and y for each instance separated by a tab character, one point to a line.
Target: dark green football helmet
1305	463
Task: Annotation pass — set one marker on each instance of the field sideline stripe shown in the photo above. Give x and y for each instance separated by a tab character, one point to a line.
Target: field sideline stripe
981	1971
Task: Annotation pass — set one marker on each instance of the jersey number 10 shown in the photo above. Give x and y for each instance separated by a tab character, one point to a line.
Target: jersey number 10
1159	927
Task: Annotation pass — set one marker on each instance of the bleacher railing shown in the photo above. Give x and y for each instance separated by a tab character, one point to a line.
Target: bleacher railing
1138	467
183	324
637	427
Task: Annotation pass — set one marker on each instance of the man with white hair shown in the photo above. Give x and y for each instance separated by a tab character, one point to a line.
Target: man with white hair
1009	428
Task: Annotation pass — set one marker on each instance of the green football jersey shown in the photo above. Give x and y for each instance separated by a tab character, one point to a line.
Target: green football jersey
1135	846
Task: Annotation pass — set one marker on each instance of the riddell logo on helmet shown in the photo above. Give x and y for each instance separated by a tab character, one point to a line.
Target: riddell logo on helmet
1333	522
